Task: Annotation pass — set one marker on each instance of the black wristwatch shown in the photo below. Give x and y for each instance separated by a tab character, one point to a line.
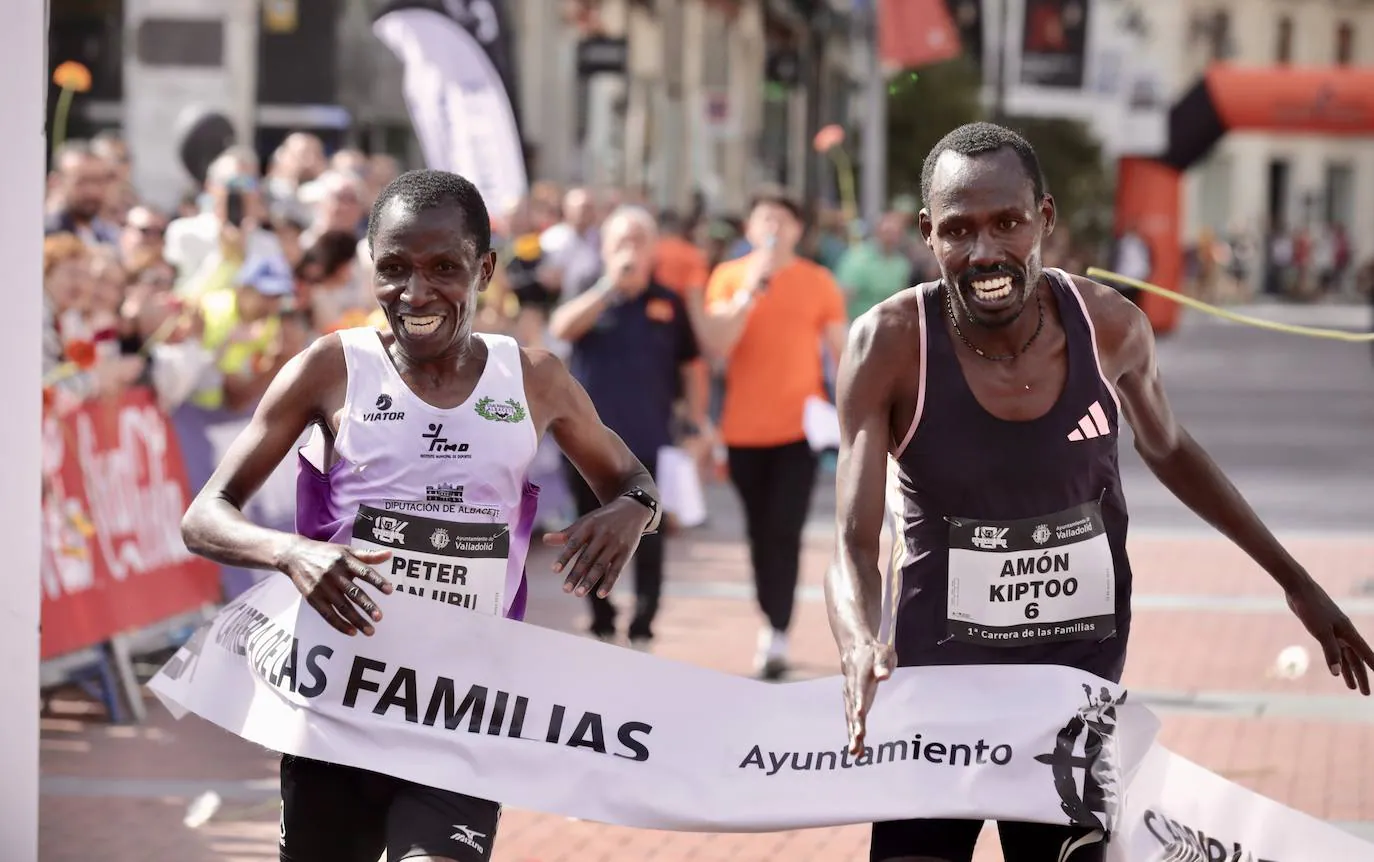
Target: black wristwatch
642	497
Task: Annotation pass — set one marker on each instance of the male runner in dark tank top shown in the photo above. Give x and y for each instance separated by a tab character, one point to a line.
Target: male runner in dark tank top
999	391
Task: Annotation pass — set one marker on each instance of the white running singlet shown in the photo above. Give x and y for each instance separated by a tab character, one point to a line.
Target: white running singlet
446	491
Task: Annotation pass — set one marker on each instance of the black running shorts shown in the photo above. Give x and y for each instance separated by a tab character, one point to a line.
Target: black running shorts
954	841
332	813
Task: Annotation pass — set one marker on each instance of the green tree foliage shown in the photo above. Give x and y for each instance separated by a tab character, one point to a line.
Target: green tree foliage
923	107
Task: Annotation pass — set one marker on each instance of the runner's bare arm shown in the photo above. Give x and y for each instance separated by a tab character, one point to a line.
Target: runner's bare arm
865	397
1126	341
603	540
865	394
214	525
308	388
853	586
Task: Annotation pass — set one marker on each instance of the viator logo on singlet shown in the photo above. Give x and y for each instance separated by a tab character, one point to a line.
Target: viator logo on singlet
384	413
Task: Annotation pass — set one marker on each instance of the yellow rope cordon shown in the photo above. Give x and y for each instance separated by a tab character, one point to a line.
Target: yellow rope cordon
1292	329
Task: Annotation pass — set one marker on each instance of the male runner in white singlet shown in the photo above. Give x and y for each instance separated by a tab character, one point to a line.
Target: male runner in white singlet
434	426
1000	392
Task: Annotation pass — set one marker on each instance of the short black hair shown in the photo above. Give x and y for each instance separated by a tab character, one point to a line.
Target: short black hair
426	189
777	196
975	139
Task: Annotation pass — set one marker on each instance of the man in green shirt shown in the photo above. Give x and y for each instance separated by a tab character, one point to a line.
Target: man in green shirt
877	268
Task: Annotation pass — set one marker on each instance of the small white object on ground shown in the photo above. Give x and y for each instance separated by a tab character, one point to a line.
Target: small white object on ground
201	809
1292	663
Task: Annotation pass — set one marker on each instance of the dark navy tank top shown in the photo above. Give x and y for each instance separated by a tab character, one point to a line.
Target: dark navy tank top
1013	533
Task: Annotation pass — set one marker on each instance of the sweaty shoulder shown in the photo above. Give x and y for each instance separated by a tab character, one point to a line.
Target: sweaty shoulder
1124	334
323	363
312	385
547	382
890	331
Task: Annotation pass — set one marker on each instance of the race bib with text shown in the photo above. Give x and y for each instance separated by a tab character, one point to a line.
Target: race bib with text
456	563
1032	581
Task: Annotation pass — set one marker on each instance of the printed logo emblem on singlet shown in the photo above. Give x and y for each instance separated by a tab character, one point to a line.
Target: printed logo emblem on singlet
509	410
384	413
452	562
1033	581
438	445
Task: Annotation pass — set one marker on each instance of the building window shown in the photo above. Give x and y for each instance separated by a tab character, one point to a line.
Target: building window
1283	47
1345	43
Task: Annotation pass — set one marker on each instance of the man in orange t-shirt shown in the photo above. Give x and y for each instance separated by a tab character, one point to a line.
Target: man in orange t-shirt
680	266
768	314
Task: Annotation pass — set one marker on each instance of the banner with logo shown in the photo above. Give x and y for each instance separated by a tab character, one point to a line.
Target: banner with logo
547	721
461	91
113	495
1054	43
1176	811
551	722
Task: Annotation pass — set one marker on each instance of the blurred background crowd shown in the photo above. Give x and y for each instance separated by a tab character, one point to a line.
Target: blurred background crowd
199	232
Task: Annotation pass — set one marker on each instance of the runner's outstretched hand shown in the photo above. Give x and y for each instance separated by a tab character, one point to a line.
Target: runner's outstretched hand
1347	653
602	541
328	575
864	666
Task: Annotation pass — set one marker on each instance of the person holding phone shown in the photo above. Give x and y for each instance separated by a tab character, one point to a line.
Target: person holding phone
634	351
775	319
209	248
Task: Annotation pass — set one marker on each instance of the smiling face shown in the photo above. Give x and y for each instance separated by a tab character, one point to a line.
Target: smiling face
428	272
985	227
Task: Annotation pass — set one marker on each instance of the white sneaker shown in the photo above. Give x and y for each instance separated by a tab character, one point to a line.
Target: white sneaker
771	661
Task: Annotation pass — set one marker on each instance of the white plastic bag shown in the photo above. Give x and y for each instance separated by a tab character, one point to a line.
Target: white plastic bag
679	484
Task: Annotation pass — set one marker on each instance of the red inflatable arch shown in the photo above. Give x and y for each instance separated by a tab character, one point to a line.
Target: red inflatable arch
1333	101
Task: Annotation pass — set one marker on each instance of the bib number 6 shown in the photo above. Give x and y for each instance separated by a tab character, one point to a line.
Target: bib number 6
1032	610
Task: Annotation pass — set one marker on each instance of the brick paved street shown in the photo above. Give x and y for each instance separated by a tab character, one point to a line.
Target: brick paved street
1208	627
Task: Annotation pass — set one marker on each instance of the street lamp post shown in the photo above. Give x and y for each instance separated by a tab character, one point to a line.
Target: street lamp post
999	45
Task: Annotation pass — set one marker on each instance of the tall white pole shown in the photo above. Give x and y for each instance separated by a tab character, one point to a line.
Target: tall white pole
23	88
873	183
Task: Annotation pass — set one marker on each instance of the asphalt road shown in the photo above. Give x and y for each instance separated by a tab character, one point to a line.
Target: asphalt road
1289	419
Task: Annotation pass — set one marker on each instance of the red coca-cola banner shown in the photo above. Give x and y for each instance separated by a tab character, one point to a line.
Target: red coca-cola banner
114	491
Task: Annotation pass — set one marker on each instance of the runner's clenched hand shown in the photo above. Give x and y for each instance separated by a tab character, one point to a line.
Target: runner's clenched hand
603	542
328	576
864	666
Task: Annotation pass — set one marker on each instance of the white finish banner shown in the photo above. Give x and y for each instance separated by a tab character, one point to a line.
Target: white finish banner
548	721
552	722
1176	811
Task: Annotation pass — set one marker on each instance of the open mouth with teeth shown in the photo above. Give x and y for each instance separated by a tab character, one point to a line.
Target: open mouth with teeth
421	324
994	289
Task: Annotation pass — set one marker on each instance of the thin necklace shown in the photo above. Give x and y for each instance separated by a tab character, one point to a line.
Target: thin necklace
949	304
